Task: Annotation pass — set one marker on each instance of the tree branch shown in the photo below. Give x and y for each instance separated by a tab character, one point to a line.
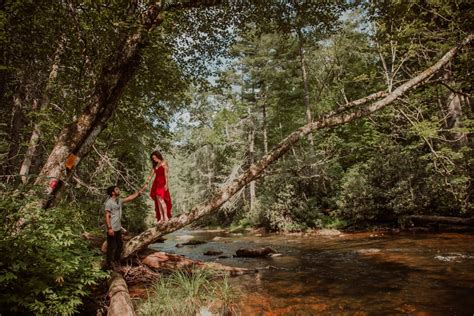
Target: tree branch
189	4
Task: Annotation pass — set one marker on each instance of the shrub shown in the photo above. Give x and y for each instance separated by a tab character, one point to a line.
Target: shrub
46	268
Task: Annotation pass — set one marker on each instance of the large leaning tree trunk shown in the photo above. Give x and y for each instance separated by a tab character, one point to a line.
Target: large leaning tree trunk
332	119
76	139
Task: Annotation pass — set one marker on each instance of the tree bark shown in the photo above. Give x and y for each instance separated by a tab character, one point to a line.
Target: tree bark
254	171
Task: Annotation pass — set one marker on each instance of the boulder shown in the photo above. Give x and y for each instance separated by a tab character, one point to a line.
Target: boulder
254	253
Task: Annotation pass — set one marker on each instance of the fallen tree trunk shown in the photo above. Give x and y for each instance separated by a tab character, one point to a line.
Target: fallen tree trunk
426	219
120	302
332	119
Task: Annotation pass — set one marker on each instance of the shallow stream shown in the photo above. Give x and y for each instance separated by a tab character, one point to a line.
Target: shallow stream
353	274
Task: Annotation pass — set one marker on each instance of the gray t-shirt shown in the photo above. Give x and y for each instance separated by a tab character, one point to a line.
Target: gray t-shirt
114	206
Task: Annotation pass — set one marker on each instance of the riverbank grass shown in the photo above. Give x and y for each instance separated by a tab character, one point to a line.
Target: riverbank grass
189	293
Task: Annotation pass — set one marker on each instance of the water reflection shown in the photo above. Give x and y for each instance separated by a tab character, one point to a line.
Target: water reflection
349	274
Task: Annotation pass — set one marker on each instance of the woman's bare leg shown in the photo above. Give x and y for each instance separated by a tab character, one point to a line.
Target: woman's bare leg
164	209
160	209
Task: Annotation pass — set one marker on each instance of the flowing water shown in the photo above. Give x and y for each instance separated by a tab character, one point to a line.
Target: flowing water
348	274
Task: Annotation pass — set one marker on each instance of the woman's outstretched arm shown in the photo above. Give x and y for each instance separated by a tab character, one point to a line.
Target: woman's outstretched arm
150	176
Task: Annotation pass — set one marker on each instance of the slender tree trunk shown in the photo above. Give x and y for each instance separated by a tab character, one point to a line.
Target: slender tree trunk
264	123
210	169
455	104
251	152
252	190
16	124
42	103
309	116
254	171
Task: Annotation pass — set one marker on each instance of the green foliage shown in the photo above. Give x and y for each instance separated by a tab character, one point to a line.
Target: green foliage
46	267
135	215
369	172
399	181
188	293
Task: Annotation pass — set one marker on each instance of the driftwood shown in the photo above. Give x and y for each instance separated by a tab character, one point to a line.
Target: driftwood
426	219
120	302
254	253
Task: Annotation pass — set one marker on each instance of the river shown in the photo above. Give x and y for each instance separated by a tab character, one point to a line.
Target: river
346	274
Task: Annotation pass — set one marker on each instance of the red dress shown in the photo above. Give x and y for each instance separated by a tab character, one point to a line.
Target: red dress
158	189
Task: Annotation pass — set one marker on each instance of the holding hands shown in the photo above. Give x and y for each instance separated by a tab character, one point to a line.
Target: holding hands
143	188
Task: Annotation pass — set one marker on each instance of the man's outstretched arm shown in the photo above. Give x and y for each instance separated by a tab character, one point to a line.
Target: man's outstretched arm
134	195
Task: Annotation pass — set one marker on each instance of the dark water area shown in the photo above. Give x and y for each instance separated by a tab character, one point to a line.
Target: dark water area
348	274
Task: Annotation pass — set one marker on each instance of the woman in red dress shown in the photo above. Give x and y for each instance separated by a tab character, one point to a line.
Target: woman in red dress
159	190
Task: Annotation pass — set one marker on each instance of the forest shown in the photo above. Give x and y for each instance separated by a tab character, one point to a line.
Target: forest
285	116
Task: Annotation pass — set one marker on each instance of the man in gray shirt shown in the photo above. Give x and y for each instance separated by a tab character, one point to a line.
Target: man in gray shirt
113	217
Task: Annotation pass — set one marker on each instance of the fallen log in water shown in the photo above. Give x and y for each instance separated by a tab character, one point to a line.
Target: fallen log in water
427	219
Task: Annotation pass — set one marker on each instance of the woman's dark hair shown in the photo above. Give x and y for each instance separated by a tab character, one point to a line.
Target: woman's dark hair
158	155
111	190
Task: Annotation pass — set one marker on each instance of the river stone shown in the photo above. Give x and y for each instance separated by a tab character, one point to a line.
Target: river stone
254	253
185	237
213	253
328	232
190	243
